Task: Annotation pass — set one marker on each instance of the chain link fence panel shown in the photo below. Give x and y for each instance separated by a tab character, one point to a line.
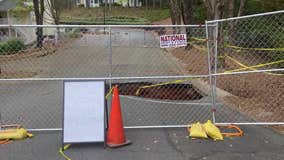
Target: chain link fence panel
157	89
238	46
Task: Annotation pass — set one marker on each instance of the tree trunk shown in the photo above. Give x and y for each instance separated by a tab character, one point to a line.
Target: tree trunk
146	3
214	8
187	11
187	14
241	8
39	10
175	12
231	7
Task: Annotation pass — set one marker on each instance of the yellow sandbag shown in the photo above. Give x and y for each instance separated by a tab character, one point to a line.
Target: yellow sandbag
197	131
212	131
14	134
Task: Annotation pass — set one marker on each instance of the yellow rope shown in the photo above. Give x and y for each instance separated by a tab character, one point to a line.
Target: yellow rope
257	66
256	49
250	67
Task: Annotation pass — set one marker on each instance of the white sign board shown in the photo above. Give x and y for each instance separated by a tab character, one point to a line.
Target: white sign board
173	41
84	111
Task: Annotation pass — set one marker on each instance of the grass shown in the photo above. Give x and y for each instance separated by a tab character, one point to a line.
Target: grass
117	15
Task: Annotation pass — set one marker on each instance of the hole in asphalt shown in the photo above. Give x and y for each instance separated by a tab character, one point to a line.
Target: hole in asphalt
163	92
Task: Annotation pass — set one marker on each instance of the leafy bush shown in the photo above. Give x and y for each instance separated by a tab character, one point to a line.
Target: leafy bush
81	6
11	46
116	4
21	9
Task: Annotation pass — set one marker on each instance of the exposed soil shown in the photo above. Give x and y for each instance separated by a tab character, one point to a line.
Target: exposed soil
29	53
48	48
260	96
194	60
19	74
165	92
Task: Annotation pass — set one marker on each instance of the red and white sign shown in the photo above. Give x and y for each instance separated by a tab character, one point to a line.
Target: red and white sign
173	41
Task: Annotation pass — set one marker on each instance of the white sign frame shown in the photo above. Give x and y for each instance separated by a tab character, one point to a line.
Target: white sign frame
173	41
90	135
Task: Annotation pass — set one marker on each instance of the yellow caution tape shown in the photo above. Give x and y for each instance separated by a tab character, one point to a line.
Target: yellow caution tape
161	84
200	48
197	39
250	67
256	49
244	66
61	151
221	56
256	66
109	93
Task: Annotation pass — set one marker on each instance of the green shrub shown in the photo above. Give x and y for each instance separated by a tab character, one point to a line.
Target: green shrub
116	4
11	46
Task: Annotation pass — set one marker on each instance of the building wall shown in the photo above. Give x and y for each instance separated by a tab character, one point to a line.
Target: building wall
131	3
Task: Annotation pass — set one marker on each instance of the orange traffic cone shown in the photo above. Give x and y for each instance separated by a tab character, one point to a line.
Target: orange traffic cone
115	134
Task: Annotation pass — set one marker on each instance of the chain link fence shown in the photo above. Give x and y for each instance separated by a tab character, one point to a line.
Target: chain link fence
156	89
238	46
230	71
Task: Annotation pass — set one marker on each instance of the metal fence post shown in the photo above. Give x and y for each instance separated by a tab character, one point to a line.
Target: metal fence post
215	68
110	58
144	38
209	71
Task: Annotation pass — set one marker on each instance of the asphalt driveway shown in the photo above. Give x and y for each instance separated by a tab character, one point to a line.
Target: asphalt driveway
154	144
